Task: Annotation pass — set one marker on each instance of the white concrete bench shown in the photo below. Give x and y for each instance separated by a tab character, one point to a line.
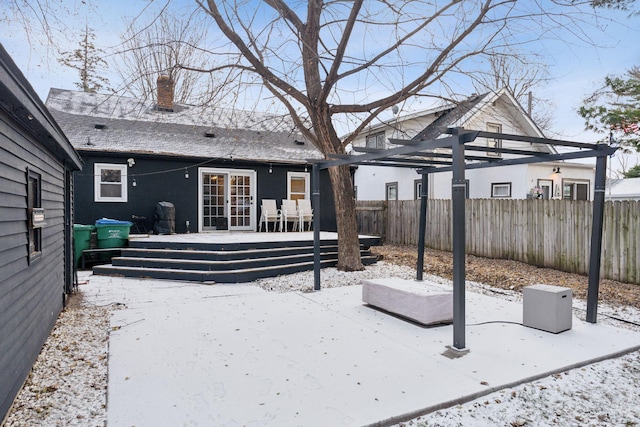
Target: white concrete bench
422	302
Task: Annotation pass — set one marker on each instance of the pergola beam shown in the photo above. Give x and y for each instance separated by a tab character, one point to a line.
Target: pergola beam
456	143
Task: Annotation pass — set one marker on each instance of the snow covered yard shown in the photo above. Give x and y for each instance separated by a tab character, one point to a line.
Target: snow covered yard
68	383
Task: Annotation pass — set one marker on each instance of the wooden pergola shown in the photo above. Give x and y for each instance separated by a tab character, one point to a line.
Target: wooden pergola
450	153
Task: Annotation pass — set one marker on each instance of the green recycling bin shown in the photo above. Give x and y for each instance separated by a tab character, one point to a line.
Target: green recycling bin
112	233
81	240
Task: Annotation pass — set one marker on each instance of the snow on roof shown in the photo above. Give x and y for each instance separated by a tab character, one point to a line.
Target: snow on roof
110	123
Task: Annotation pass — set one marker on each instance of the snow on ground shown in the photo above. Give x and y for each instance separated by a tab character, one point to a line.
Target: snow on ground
67	386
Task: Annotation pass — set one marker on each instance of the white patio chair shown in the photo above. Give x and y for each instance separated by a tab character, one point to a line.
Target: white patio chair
270	213
305	213
289	213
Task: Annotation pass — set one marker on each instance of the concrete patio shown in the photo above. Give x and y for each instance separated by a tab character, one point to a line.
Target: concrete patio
233	354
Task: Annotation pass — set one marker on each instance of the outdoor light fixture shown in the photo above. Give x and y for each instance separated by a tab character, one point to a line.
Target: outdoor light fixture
186	173
305	167
270	168
556	169
134	183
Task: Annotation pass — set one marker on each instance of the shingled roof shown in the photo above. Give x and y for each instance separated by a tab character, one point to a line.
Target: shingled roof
448	117
109	123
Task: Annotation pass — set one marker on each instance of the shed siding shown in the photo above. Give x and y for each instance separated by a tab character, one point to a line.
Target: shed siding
31	295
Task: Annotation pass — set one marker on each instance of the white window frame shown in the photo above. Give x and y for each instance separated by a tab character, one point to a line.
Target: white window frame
495	186
574	191
391	186
417	189
97	176
307	183
494	143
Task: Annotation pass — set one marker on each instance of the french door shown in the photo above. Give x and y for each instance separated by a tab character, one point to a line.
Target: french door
227	199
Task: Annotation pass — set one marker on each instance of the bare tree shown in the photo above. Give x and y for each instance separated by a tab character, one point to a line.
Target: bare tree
521	75
159	48
330	63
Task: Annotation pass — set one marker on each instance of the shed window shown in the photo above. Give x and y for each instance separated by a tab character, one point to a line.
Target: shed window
34	201
110	182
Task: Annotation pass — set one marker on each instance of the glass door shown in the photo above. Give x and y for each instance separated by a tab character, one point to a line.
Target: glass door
214	212
240	201
227	199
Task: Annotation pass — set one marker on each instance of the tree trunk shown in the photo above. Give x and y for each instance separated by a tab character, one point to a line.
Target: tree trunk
348	243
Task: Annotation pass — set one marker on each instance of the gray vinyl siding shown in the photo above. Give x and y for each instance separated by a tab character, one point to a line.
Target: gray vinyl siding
31	295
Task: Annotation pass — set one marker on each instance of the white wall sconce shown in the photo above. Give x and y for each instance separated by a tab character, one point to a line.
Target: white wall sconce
186	173
270	168
134	183
131	161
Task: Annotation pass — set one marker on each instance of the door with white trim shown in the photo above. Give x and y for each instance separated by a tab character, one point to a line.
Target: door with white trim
226	199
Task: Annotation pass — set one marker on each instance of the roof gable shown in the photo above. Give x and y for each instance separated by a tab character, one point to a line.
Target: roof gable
465	112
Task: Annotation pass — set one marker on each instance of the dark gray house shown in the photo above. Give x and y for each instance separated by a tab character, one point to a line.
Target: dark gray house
36	228
214	165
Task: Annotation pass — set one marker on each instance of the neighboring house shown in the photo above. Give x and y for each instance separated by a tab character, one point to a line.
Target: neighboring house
36	255
497	112
213	165
623	189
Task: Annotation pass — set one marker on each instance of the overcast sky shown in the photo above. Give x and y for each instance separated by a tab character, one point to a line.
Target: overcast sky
576	68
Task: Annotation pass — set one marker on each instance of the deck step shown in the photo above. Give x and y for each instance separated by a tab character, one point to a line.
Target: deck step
228	262
219	276
214	265
215	255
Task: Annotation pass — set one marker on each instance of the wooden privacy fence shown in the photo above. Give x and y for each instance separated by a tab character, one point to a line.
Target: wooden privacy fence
545	233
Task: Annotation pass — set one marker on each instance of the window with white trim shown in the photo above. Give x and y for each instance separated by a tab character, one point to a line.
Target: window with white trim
494	143
501	190
375	140
575	189
298	185
417	189
392	191
110	182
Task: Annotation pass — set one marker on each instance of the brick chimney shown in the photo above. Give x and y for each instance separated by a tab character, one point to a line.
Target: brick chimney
165	93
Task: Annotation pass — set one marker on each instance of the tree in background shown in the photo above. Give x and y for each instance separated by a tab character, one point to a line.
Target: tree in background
614	109
521	75
149	50
88	61
336	64
633	172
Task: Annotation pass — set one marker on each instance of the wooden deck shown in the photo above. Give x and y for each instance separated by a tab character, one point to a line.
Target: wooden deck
226	257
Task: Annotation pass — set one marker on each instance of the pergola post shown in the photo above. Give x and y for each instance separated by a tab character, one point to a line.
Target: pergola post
458	195
424	194
315	200
596	239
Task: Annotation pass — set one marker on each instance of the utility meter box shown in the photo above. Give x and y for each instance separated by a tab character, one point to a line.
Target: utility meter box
547	307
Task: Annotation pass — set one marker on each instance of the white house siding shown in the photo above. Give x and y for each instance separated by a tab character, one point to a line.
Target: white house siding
371	181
